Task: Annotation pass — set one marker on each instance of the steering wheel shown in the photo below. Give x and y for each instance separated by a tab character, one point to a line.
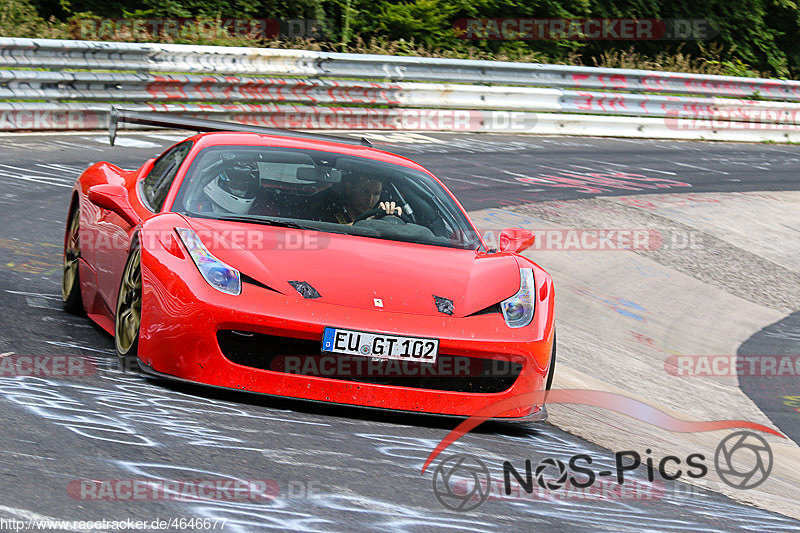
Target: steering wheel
377	213
407	211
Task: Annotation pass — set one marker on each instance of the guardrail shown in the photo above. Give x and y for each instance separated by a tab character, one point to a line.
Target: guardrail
243	82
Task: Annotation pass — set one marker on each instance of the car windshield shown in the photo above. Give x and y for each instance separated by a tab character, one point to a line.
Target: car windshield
322	191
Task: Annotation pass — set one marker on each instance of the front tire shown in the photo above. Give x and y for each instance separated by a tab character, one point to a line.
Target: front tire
70	281
129	306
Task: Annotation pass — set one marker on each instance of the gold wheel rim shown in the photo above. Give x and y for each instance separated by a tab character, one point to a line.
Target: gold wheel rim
71	254
129	305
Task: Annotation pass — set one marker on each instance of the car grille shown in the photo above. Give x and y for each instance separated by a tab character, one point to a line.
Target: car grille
301	356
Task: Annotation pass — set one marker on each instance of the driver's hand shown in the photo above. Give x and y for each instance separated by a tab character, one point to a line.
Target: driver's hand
391	208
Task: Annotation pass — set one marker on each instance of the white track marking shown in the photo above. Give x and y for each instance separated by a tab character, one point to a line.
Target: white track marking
35	179
526	176
127	142
607	163
32	170
172	138
699	168
471	182
482	176
61	168
39	294
659	171
635	168
79	146
584	168
41	303
560	169
17	454
401	137
34	175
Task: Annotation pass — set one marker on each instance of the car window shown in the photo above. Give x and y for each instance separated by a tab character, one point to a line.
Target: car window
157	183
322	191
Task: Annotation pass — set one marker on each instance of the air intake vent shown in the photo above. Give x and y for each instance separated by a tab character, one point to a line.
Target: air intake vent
305	289
444	305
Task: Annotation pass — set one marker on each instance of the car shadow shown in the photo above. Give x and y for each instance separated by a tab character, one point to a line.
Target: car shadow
350	412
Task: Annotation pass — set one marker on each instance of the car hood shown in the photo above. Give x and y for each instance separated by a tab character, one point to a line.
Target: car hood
354	271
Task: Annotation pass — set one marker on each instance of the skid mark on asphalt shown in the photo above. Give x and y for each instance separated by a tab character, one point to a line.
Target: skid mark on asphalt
134	403
81	347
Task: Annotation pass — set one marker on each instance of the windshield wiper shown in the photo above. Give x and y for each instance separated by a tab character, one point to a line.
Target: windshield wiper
264	220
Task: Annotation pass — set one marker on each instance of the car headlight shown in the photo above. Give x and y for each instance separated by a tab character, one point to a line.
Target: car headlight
219	275
518	310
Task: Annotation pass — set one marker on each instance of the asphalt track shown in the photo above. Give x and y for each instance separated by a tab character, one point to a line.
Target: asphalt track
337	468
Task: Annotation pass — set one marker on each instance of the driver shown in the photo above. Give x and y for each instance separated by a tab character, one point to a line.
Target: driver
232	191
361	193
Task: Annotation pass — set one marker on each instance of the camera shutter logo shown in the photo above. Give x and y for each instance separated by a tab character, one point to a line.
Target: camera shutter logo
558	481
743	460
453	470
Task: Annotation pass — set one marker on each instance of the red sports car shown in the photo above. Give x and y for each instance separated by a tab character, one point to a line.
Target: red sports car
294	265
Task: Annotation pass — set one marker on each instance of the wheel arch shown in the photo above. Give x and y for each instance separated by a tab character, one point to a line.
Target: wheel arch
74	203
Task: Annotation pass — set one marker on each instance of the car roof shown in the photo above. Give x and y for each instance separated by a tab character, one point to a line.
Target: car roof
204	140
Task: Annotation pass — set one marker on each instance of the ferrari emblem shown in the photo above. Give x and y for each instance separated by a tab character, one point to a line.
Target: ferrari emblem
378	302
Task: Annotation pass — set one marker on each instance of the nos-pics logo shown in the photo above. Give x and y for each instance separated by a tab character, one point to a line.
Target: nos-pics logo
462	482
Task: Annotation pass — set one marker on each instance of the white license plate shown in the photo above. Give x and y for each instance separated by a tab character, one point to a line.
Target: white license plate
345	341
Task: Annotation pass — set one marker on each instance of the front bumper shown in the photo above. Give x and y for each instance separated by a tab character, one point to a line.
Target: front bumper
182	317
536	415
